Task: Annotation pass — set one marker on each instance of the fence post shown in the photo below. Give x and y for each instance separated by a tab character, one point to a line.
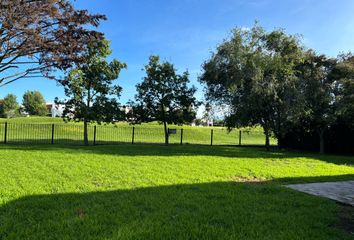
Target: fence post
52	142
94	134
211	137
133	134
168	137
181	136
5	136
240	138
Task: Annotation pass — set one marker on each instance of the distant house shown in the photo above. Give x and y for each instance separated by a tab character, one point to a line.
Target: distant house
202	122
209	122
23	112
55	110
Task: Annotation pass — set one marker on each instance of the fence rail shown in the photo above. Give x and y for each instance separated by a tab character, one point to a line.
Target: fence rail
18	133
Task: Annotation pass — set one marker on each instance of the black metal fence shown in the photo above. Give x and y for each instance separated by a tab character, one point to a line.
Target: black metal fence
18	133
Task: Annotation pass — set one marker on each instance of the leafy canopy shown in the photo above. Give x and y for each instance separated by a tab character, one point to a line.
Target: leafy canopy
34	103
343	76
317	90
9	106
41	36
165	95
90	87
254	73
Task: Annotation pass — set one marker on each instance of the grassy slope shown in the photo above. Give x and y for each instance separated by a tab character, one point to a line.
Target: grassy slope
158	192
145	133
36	120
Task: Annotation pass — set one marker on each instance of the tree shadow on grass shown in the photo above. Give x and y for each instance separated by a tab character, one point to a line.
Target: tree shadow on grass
184	150
227	210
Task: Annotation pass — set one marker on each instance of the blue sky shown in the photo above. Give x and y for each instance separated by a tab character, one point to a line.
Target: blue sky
185	31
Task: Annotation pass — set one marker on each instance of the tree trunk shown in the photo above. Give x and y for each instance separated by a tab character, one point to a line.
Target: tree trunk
279	135
166	132
164	124
322	141
86	142
267	140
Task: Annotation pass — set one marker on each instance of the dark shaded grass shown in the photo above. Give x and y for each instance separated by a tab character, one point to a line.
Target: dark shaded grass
197	211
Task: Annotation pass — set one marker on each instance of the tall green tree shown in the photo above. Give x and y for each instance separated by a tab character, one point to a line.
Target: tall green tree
254	73
91	90
9	107
343	76
34	103
165	96
318	96
326	89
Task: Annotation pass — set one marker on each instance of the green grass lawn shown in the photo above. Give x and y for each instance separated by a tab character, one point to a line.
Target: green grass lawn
39	130
159	192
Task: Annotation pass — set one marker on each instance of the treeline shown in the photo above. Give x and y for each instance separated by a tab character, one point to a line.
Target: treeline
92	95
271	79
33	103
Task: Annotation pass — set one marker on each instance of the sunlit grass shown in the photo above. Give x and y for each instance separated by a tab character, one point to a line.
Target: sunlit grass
39	129
159	192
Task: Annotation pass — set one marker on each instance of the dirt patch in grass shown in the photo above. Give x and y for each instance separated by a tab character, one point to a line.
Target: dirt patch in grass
346	218
248	179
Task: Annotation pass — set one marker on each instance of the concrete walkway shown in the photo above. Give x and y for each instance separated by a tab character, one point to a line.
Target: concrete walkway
339	191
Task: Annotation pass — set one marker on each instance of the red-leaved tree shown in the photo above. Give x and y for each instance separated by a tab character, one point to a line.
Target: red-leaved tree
39	37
